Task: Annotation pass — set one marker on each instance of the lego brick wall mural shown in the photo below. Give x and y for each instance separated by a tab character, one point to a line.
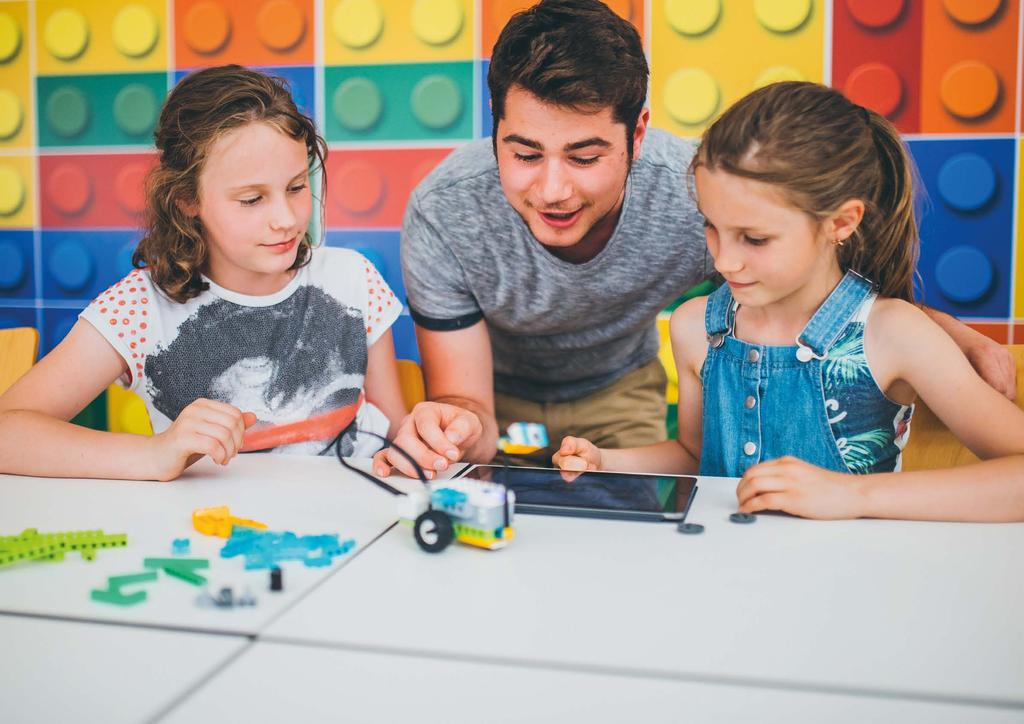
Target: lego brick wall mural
395	85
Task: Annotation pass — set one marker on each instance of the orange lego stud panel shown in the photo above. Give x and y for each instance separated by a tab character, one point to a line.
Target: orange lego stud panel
260	32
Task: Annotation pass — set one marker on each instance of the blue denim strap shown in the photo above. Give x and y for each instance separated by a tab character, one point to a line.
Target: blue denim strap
834	314
719	312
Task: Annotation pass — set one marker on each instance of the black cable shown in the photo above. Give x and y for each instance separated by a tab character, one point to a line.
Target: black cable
336	444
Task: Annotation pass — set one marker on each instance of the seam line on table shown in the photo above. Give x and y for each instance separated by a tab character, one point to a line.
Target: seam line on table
218	669
131	624
641	673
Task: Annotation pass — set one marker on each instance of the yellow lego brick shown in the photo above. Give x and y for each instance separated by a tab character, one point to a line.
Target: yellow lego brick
16	121
126	412
359	32
17	195
706	54
86	36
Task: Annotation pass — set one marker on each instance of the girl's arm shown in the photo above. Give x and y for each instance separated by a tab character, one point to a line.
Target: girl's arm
682	455
381	383
37	439
907	349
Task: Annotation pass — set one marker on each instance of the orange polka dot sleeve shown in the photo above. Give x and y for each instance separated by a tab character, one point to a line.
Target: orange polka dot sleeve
382	306
123	314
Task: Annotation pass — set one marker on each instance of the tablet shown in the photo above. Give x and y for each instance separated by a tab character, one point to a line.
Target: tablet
625	496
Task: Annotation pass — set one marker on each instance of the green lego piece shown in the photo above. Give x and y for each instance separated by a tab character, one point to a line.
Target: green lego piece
116	597
30	544
118	581
181	568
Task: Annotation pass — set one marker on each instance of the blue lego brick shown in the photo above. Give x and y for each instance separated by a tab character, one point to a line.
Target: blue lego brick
79	264
380	247
966	219
301	79
57	322
404	333
486	122
17	278
11	317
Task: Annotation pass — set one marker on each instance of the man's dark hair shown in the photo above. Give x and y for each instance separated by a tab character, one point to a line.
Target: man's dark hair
571	53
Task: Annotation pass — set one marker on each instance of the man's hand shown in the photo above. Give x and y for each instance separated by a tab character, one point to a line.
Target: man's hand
435	434
994	364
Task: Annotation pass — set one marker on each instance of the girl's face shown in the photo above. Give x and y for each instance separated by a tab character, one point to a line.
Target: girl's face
767	249
254	204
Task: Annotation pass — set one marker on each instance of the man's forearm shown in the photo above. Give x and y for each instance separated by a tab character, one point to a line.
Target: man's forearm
486	446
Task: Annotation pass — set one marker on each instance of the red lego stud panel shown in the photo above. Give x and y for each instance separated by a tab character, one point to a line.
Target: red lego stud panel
969	66
260	32
93	190
876	57
370	188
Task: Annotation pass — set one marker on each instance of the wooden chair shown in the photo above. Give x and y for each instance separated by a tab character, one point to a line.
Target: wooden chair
411	378
18	350
931	443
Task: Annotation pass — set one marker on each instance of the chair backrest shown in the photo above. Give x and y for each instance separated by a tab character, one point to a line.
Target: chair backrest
931	443
410	376
18	350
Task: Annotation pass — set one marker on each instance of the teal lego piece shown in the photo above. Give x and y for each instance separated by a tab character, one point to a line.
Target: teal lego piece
264	549
118	581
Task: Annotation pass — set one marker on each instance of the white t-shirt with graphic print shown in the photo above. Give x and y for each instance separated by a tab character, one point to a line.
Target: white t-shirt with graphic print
293	358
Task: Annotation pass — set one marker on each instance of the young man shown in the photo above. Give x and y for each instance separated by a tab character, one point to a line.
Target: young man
536	264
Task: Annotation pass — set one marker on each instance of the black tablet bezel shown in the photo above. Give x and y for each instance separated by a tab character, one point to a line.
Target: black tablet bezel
605	513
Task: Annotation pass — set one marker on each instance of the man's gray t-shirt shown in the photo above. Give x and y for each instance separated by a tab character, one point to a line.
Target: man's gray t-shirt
559	331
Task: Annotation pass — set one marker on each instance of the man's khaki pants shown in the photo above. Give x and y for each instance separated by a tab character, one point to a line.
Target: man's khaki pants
628	413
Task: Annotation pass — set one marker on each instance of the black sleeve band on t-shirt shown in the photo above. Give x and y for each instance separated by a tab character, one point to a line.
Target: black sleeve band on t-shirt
446	325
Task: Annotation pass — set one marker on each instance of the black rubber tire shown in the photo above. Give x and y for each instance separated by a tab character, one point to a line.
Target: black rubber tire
433	531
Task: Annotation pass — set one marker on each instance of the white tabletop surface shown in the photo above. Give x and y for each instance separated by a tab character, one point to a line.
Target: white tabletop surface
306	495
289	683
62	671
921	611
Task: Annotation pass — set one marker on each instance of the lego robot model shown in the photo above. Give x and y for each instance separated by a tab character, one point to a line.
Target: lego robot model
475	512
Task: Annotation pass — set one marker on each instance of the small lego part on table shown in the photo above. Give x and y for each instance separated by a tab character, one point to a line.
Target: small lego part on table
30	544
219	521
276	582
690	528
524	438
246	599
264	549
113	594
181	546
182	568
743	518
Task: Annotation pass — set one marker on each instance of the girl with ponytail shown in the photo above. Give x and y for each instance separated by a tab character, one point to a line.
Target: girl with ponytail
799	374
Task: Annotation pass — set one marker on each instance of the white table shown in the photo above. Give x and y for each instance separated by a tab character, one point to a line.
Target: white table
61	671
306	495
921	612
281	682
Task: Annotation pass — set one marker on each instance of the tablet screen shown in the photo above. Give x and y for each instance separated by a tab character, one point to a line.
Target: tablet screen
661	496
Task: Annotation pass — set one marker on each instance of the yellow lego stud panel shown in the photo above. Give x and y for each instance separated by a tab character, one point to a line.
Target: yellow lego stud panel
15	81
85	36
706	54
17	195
375	31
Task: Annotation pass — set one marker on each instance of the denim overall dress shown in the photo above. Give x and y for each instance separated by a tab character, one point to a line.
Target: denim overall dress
816	400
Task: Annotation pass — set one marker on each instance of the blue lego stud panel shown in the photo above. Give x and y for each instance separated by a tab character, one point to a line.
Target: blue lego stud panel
81	264
966	225
16	265
301	80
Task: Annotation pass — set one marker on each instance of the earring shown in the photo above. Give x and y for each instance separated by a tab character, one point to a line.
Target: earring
837	241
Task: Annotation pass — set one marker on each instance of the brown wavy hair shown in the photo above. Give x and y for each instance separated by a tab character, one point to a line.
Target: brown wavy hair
822	150
202	107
